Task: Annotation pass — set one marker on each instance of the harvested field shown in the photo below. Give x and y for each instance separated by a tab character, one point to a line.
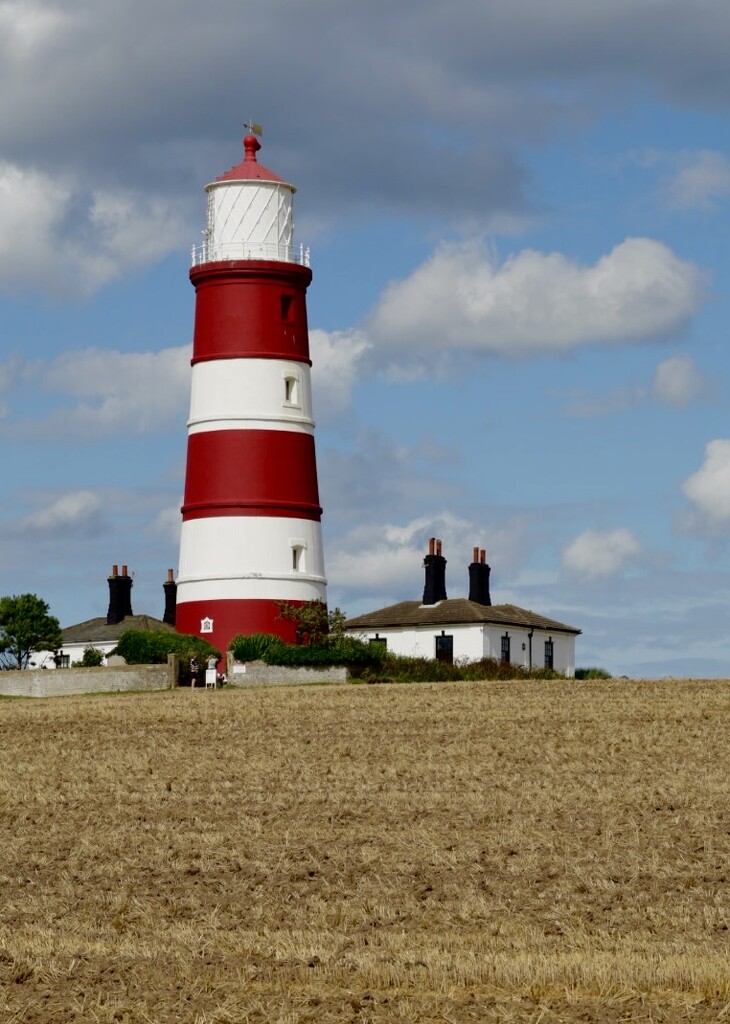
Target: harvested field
454	852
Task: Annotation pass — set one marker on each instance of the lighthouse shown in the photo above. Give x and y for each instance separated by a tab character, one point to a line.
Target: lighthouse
251	532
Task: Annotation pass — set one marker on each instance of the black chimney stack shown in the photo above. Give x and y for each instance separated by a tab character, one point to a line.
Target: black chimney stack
435	565
120	596
479	578
170	588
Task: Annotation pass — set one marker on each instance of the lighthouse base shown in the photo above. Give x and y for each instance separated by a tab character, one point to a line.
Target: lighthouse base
219	621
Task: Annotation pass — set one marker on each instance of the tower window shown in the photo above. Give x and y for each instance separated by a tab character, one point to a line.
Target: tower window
286	301
297	557
291	391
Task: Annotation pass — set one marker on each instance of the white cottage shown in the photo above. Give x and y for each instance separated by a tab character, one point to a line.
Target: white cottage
103	633
468	628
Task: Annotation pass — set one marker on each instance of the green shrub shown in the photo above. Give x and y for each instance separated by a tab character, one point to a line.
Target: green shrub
151	647
253	647
592	673
91	658
400	669
344	650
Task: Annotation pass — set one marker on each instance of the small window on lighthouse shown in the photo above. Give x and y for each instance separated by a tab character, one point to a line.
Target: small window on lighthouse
297	557
286	301
206	625
291	391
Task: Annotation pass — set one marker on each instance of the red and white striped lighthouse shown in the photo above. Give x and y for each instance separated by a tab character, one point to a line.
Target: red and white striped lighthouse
251	533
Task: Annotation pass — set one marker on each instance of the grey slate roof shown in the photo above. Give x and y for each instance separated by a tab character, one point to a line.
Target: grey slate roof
98	630
457	611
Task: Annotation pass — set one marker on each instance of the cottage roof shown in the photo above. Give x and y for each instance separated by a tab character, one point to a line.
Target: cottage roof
99	631
456	611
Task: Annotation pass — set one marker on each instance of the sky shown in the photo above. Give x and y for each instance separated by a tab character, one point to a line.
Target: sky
519	220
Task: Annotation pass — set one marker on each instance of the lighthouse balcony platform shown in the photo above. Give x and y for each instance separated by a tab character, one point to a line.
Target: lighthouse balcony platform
277	251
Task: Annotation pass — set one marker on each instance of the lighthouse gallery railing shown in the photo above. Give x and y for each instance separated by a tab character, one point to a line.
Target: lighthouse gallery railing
206	253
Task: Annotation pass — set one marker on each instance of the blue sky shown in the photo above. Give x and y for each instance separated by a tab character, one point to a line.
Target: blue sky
518	216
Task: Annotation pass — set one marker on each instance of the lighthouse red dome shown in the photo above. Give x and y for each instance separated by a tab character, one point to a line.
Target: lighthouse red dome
249	168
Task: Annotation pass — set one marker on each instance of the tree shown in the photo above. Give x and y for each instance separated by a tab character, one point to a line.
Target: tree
26	626
314	623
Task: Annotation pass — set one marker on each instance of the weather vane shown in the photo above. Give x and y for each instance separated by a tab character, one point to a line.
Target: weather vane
253	127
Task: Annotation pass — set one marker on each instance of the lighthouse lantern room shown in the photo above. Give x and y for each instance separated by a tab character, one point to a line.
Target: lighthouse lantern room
251	532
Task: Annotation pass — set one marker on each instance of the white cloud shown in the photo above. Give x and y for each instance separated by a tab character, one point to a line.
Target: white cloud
168	522
709	488
134	393
72	512
596	553
536	303
141	393
702	179
27	27
336	360
70	240
678	382
384	560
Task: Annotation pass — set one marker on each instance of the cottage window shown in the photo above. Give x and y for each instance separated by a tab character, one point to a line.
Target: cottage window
445	648
505	649
549	653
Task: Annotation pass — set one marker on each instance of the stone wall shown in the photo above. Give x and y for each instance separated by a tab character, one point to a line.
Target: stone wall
66	681
257	673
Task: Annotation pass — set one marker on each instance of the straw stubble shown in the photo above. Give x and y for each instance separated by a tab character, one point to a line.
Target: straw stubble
444	852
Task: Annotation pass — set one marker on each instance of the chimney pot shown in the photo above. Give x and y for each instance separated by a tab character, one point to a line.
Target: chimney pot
479	573
475	555
435	565
120	596
170	589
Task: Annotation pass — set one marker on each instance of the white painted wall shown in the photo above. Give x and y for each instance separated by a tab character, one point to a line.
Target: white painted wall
248	551
480	640
250	394
75	652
